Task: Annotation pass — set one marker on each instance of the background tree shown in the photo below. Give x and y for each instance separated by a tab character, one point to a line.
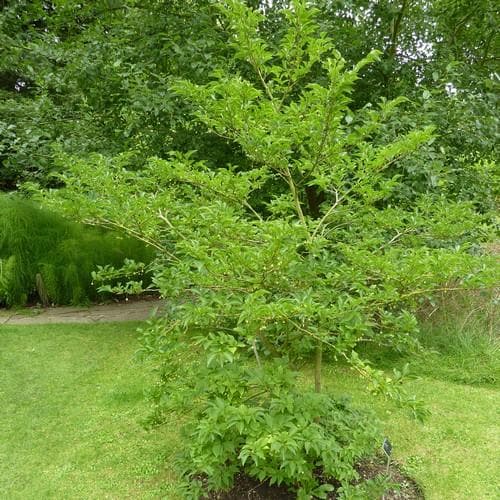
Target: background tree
96	78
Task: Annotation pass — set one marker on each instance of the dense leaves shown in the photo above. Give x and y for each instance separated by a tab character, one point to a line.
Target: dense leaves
319	241
48	260
95	77
298	205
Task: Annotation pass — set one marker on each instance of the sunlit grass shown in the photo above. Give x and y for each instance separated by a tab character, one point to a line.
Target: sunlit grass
71	406
454	453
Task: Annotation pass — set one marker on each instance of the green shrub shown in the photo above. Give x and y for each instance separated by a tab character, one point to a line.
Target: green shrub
45	257
328	265
256	419
287	440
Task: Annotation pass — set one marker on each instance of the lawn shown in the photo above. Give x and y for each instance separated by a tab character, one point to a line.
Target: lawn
454	453
71	402
71	405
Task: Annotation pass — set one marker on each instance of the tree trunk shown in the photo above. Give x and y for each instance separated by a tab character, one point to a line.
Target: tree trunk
317	366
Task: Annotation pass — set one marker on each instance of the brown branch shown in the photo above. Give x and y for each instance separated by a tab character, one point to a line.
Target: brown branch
396	29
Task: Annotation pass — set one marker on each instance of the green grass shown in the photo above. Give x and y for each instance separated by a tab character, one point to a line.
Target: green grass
459	344
71	403
454	453
48	259
461	339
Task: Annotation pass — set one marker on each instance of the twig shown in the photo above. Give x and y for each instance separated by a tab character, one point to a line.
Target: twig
224	195
165	219
395	238
443	289
254	347
132	232
295	194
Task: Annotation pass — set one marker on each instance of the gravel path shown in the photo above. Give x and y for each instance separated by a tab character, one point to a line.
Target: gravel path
122	311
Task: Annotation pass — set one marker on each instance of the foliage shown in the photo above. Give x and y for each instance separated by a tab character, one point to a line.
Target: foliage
302	249
96	77
134	271
257	420
45	257
280	443
440	54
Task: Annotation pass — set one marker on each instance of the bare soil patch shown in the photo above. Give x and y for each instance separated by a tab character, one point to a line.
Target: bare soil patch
248	488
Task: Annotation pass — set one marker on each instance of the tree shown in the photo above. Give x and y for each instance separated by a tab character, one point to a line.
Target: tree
440	55
299	250
82	78
95	77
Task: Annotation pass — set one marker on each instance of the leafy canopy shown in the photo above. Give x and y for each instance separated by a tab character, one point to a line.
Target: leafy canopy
301	249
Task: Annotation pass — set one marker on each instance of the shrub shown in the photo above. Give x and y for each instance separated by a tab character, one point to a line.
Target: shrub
259	420
296	439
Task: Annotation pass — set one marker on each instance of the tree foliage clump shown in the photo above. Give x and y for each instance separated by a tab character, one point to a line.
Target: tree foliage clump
301	250
96	77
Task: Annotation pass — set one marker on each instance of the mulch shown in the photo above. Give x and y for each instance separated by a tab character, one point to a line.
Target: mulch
248	488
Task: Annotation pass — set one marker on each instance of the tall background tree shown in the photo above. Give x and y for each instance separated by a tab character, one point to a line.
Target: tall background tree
96	77
87	77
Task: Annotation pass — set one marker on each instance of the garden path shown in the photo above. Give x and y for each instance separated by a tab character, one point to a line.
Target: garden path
119	311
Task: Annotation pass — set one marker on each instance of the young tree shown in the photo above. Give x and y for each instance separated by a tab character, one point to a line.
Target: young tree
297	252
